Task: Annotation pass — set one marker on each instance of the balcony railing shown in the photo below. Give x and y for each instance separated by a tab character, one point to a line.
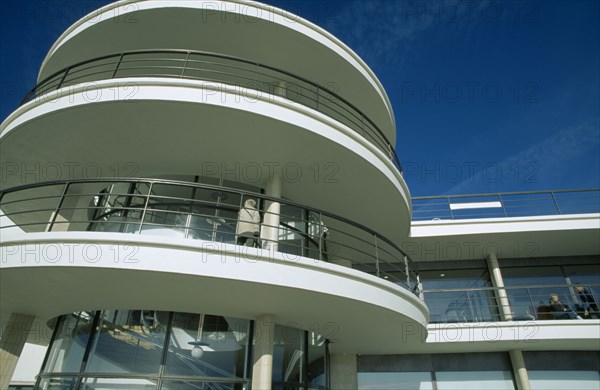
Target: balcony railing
509	204
203	212
218	68
526	303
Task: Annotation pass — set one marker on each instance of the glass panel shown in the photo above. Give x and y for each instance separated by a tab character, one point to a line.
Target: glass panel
58	384
475	380
118	383
315	372
292	231
220	350
288	355
128	341
459	305
395	381
191	385
67	349
564	380
104	206
32	209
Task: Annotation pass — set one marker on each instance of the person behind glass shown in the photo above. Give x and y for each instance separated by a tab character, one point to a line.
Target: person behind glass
560	310
248	224
588	301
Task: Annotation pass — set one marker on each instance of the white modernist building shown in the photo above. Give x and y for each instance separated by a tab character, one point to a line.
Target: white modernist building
205	195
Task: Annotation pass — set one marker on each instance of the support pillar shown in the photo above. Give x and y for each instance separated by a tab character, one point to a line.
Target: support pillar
518	365
262	371
343	372
14	336
498	283
270	230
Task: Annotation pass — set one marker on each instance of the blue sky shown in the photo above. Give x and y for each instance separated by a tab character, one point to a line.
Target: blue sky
489	96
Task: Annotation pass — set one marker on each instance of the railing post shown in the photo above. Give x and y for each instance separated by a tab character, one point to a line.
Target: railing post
187	58
502	203
60	203
118	64
143	216
321	237
450	208
62	79
407	271
555	202
376	256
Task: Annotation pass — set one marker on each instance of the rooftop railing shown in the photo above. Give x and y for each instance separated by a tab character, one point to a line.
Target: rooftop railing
218	68
203	212
508	204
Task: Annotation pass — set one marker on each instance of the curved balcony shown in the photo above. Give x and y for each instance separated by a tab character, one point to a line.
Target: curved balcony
218	68
196	211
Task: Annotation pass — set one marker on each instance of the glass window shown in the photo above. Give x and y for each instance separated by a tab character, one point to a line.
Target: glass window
68	347
475	380
465	302
206	345
395	381
192	385
58	384
118	383
288	355
316	369
564	380
128	341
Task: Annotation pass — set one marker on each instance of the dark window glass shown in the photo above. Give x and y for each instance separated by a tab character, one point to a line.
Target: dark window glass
68	347
207	346
128	341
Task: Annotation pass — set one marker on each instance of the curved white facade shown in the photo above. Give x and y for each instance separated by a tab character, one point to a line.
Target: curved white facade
196	126
205	194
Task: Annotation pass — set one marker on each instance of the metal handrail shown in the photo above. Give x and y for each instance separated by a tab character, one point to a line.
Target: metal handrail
324	97
143	210
512	204
526	303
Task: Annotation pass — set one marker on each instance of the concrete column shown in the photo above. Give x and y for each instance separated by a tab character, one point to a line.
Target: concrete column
270	229
518	365
343	372
498	282
262	371
14	336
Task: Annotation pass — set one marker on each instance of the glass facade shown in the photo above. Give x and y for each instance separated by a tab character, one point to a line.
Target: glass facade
439	371
457	291
146	349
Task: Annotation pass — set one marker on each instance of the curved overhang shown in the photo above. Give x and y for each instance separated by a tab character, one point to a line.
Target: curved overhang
509	238
239	28
47	274
160	127
550	335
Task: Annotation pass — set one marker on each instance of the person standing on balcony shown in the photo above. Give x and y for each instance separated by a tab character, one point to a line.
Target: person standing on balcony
560	310
588	302
248	224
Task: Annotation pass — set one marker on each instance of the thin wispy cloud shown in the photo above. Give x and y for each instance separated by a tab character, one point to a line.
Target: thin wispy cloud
560	157
387	31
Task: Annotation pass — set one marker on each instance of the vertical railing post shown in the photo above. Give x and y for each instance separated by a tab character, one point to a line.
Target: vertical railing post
58	207
187	58
555	202
450	208
143	216
118	64
376	255
502	204
62	79
407	271
321	237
